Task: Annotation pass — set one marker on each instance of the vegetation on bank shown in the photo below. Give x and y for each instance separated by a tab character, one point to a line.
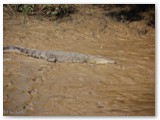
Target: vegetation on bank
118	12
56	11
131	12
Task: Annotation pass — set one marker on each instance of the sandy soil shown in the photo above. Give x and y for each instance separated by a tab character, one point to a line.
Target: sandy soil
36	87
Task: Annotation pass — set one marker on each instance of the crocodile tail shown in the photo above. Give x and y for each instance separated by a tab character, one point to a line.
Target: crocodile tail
7	48
14	49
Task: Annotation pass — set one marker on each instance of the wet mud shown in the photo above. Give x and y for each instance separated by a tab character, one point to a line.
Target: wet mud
37	87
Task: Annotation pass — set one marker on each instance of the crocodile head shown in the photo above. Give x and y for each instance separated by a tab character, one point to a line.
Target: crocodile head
104	61
101	60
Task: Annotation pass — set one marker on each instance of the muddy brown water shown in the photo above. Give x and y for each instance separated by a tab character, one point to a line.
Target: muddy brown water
36	87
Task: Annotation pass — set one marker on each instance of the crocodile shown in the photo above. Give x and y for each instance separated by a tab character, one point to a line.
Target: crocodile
59	56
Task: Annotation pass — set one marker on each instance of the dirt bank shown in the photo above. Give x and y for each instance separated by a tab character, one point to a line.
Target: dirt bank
36	87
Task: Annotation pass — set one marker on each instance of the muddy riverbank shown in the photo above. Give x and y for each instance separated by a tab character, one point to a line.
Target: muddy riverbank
36	87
